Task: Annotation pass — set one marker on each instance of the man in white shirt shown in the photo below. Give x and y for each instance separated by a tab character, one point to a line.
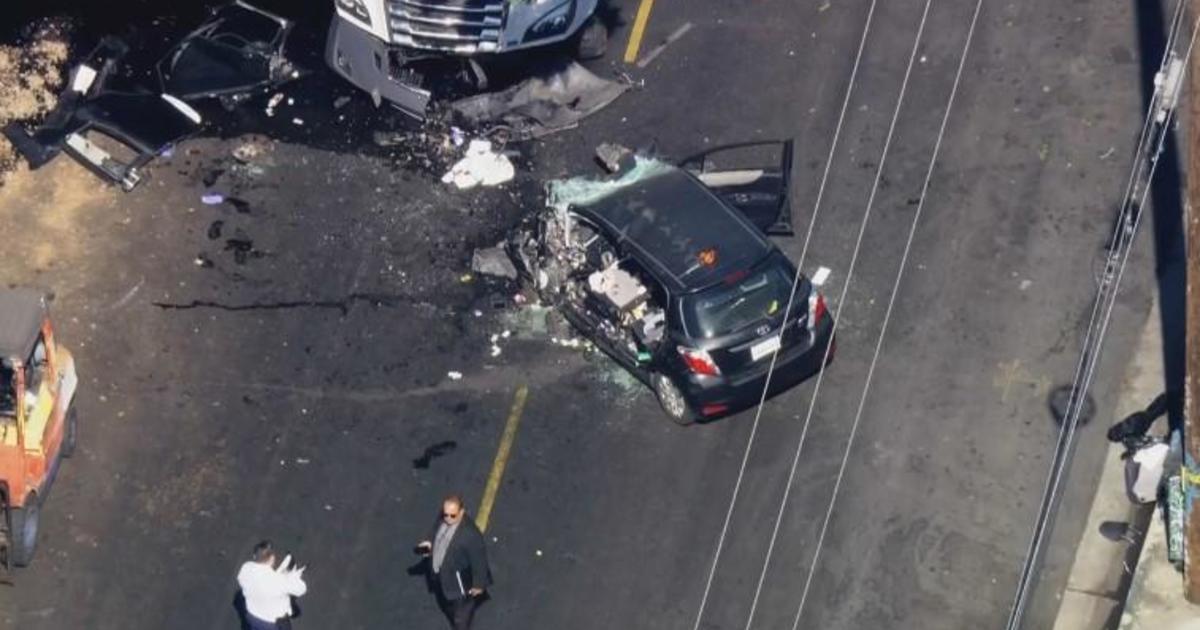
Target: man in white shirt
268	590
1144	470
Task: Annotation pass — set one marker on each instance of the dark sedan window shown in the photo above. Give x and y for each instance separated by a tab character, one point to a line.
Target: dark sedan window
734	305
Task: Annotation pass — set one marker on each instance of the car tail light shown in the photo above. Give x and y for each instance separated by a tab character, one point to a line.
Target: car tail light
816	309
713	409
699	362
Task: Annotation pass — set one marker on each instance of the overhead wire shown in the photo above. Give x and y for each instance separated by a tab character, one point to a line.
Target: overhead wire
816	556
786	314
887	143
1128	221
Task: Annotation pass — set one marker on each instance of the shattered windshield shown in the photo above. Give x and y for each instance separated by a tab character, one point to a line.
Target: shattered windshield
582	191
734	305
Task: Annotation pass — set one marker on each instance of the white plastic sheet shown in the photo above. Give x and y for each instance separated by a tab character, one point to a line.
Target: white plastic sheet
481	166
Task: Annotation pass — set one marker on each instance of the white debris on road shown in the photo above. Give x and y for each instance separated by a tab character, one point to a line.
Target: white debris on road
273	102
819	278
481	166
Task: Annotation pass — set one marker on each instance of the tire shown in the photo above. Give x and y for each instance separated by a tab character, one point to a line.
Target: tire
72	433
832	351
24	531
672	401
593	40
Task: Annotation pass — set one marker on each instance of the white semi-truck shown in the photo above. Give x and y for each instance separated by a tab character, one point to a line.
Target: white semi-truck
374	43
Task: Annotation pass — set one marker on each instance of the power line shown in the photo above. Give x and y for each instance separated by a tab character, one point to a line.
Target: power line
1156	127
887	315
862	230
786	314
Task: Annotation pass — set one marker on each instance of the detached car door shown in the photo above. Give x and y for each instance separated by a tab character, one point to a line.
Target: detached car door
753	177
239	50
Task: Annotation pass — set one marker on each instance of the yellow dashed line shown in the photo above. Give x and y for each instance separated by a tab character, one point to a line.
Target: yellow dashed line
639	28
502	453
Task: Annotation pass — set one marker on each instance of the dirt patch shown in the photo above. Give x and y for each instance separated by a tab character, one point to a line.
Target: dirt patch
59	201
31	76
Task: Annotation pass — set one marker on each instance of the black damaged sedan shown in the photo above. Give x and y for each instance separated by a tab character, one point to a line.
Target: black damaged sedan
668	270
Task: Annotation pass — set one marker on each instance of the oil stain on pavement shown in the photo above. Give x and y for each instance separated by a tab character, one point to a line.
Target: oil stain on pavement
433	452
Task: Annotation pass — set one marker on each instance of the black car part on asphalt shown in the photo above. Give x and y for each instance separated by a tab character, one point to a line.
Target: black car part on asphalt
551	100
237	52
141	121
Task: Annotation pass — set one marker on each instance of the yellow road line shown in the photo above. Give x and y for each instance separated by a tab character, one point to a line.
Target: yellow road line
639	28
506	442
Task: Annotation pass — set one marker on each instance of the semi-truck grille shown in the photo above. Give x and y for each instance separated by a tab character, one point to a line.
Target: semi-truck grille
464	26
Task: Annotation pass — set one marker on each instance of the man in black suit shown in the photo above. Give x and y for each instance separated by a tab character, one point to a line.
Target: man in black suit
458	562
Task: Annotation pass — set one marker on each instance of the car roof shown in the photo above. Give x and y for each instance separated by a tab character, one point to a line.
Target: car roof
21	313
669	218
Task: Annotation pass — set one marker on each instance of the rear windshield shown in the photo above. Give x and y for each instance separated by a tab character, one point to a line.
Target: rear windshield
732	306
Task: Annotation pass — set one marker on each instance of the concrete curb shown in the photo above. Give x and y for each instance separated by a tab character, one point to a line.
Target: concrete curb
1106	557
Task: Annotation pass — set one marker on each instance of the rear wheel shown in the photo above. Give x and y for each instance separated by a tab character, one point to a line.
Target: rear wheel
24	532
672	400
72	433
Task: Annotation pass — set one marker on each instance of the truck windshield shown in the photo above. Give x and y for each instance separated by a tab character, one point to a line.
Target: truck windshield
8	392
740	302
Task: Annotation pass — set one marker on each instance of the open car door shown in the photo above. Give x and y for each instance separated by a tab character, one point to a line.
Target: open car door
754	177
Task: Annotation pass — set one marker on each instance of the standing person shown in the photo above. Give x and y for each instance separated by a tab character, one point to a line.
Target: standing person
268	590
458	561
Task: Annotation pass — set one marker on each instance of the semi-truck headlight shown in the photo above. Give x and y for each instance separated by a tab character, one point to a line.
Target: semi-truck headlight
357	8
555	22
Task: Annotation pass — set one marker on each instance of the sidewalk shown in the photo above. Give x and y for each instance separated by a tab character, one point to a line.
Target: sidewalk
1121	578
1155	600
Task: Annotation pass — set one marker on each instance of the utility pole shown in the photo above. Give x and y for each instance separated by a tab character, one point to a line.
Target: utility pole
1191	404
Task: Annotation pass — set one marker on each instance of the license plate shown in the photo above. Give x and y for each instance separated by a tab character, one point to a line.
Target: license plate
764	347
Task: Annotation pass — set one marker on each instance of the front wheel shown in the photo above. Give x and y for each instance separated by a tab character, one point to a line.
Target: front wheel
672	400
24	531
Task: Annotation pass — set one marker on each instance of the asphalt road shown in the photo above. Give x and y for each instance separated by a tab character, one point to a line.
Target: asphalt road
300	392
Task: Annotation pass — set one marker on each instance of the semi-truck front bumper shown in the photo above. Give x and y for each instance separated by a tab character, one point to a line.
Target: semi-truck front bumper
364	60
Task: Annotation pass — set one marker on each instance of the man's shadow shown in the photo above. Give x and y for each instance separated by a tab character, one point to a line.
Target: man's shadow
239	606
